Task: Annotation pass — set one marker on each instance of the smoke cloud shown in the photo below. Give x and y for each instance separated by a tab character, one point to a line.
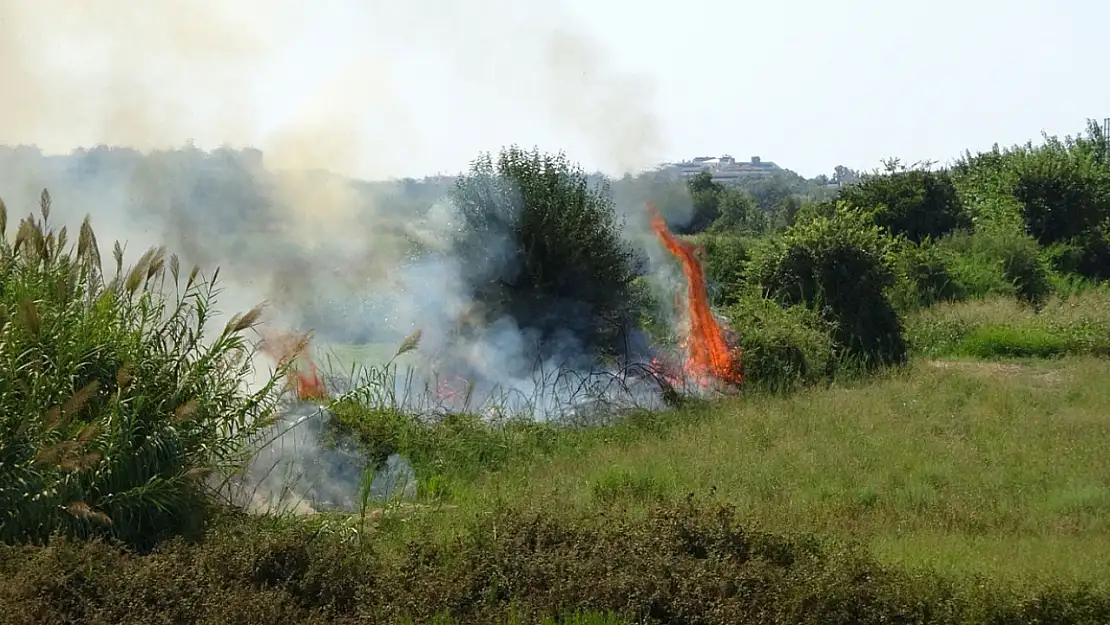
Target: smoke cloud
242	135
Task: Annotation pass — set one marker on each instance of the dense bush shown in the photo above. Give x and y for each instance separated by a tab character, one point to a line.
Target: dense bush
706	197
915	203
996	262
923	276
837	266
683	563
725	257
544	247
1058	192
114	405
784	348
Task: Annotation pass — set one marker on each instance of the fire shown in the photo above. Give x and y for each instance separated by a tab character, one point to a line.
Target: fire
306	381
708	354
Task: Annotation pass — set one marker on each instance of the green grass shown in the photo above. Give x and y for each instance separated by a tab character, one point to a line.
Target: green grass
969	489
955	465
117	399
1002	328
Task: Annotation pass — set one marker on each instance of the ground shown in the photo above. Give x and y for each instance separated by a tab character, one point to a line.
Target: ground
962	466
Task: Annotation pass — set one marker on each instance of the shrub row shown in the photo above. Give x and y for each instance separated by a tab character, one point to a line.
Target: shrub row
684	563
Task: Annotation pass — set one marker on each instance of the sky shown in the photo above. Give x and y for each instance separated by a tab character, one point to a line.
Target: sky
391	88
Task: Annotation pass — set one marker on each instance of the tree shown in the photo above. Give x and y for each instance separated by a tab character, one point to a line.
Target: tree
738	211
916	203
706	196
543	246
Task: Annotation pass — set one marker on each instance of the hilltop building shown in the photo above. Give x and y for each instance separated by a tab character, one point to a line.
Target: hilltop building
724	168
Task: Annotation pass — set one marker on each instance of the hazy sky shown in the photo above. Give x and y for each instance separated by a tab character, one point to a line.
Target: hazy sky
413	87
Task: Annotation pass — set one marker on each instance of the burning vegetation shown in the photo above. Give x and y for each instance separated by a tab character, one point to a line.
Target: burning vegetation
708	356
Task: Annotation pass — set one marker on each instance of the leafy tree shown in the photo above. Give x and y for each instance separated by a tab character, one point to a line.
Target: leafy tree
706	196
914	203
737	212
543	247
1057	192
769	192
725	255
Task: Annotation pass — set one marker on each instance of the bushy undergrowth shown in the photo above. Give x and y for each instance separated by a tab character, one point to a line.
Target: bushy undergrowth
114	403
784	348
684	563
1001	327
837	266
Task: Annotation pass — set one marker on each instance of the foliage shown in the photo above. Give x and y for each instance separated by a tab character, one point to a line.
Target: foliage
544	247
738	212
706	197
684	562
1059	192
916	203
837	266
784	348
997	262
725	259
114	404
923	276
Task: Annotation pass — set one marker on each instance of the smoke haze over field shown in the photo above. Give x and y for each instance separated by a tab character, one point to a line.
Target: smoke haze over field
323	91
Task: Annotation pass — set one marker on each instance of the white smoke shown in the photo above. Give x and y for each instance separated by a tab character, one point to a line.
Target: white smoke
288	224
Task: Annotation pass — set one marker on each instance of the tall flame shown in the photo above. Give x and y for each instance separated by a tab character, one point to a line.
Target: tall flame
708	354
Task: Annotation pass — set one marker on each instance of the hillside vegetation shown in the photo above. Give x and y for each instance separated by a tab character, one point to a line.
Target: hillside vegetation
921	437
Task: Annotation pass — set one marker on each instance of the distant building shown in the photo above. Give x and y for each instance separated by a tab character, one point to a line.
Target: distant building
724	168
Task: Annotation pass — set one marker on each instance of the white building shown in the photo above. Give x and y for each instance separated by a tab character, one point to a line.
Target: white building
724	168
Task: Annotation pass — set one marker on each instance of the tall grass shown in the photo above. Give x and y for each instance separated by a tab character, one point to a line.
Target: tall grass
115	402
999	327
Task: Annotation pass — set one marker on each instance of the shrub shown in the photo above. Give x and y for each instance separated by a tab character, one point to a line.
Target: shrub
705	195
783	348
998	262
681	563
1058	192
837	265
738	212
726	256
114	404
543	246
915	203
923	277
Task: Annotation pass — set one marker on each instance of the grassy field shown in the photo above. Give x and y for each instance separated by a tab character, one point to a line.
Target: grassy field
971	485
990	466
961	466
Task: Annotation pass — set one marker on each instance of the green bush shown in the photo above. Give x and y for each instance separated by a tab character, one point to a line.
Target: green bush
923	277
915	203
544	247
725	259
783	348
682	563
114	405
1058	192
991	262
837	265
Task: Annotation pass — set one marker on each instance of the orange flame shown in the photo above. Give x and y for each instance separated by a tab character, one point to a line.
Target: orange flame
708	354
308	385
